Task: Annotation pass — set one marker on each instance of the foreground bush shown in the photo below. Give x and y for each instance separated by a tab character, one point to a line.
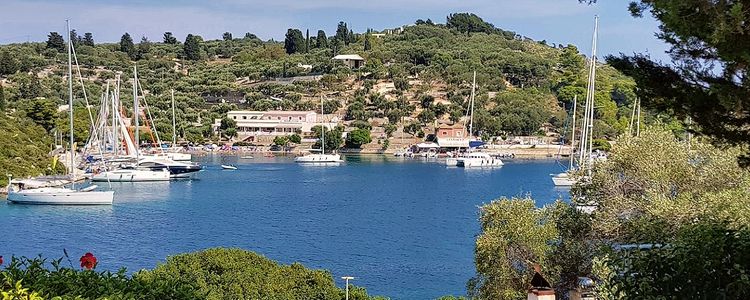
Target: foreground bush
210	274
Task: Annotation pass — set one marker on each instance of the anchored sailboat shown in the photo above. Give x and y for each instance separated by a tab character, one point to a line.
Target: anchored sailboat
322	157
61	195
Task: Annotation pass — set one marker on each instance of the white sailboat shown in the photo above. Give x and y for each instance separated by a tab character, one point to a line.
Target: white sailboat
476	159
586	157
61	195
566	178
146	168
322	157
175	153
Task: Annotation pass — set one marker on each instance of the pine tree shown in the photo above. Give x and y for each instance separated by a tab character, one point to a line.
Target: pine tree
88	39
322	40
75	38
143	48
227	36
127	46
8	64
55	41
351	38
169	38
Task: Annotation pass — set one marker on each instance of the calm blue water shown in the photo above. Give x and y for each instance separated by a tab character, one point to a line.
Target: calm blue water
404	228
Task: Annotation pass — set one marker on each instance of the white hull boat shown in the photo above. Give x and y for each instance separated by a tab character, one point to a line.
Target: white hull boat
132	175
175	156
564	179
319	158
451	161
61	196
478	160
228	167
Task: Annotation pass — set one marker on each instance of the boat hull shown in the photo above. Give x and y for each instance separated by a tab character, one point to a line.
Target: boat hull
132	176
479	163
563	179
319	159
63	198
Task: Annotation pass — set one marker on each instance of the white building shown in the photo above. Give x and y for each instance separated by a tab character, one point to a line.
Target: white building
273	123
353	61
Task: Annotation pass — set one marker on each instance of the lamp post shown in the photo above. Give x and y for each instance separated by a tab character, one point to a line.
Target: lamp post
347	278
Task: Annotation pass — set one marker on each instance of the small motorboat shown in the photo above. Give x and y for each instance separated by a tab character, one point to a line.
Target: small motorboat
228	167
247	157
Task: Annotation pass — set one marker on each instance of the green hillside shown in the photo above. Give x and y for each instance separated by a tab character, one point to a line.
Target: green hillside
422	72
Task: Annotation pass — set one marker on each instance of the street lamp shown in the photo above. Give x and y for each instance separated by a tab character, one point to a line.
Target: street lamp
347	278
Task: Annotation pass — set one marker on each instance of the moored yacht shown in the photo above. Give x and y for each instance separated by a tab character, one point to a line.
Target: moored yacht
61	196
176	169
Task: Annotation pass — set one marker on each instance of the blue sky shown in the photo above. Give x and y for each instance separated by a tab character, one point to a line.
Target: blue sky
557	21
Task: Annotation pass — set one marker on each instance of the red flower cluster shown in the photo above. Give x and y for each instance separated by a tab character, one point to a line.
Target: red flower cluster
88	261
1	259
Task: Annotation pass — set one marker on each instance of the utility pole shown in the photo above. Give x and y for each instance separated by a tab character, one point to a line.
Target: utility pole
347	278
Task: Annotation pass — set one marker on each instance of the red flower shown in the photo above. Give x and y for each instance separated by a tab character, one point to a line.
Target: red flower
88	261
1	259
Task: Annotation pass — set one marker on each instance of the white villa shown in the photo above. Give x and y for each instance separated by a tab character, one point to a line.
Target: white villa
273	123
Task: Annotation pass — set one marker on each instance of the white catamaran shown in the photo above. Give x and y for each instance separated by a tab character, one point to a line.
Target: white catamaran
475	159
62	195
322	157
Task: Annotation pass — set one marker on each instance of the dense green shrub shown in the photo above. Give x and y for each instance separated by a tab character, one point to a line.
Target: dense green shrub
210	274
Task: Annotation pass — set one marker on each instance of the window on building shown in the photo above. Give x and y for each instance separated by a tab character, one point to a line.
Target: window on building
234	117
244	117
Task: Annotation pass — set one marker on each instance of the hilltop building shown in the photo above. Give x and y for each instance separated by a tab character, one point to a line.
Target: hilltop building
353	61
229	97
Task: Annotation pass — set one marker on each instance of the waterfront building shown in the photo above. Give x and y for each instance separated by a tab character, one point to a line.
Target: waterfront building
452	136
251	125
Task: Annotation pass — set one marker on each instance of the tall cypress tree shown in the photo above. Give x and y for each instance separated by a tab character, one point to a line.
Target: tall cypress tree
192	47
341	33
307	41
2	100
367	41
293	41
322	40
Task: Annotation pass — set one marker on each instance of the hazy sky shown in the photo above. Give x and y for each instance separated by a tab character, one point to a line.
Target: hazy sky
557	21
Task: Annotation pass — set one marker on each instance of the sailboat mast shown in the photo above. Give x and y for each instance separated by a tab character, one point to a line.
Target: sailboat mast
135	113
174	123
322	129
573	134
587	135
638	124
70	97
593	89
471	115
